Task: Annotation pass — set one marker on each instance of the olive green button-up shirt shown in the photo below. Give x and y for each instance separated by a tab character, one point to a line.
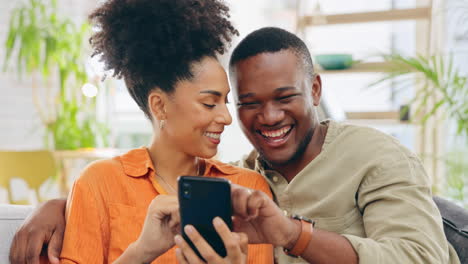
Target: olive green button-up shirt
367	187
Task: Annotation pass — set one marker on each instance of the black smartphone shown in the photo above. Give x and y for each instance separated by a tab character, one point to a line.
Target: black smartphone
201	199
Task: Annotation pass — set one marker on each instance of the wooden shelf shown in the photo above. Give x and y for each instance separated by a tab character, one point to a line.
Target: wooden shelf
375	118
368	67
377	122
392	115
367	17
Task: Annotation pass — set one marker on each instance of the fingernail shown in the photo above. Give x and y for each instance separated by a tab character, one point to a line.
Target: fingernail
217	221
189	229
178	239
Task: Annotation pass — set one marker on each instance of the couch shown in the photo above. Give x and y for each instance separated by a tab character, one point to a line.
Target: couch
11	217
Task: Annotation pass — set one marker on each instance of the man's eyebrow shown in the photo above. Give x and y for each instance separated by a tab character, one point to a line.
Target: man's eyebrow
286	88
277	90
247	95
216	93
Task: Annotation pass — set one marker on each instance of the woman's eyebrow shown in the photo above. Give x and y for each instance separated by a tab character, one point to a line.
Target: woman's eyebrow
216	93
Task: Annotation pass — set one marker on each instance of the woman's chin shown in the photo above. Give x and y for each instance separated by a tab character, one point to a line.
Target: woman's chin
208	154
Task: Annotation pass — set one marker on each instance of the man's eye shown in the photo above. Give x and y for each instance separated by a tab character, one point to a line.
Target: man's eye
248	103
286	98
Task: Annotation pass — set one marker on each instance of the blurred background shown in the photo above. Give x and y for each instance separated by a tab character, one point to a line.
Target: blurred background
400	66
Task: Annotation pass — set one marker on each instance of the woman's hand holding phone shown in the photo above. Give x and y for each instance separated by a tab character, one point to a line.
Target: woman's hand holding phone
236	246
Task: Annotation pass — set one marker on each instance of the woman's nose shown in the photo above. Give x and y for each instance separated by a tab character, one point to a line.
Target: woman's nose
224	117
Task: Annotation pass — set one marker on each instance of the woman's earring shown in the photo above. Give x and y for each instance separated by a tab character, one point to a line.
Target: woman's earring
162	122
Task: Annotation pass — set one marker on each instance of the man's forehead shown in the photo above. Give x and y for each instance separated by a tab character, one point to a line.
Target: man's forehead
267	60
267	67
264	68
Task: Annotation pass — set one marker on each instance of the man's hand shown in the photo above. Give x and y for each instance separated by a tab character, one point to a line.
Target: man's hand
44	228
261	219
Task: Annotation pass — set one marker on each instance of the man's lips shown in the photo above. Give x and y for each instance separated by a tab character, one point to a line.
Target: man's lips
275	137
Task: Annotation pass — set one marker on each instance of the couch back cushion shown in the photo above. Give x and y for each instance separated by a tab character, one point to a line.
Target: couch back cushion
455	226
11	217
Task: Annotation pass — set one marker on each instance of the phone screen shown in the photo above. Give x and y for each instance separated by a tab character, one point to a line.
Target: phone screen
201	199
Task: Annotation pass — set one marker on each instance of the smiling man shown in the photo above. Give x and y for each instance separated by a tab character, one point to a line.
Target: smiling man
343	193
276	107
369	196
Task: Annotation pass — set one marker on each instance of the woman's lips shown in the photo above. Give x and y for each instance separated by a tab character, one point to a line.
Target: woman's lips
214	137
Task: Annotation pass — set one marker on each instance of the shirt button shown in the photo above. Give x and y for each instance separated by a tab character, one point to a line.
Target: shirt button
275	178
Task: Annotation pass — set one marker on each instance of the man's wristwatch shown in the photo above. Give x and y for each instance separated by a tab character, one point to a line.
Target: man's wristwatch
307	227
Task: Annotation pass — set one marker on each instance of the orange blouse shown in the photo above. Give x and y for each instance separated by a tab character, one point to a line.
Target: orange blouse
108	203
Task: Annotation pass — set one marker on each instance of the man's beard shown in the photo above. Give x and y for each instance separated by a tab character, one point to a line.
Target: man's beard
296	156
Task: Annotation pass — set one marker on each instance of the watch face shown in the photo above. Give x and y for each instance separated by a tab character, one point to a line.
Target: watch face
300	217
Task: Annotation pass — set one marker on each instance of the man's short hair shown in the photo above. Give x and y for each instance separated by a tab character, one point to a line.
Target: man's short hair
272	39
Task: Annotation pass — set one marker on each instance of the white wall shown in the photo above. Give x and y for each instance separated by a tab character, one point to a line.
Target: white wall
19	124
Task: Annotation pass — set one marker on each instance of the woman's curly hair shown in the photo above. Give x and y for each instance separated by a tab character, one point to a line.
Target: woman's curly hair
153	43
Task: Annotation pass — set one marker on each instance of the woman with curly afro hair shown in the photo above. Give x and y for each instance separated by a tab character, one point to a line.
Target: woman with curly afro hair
125	209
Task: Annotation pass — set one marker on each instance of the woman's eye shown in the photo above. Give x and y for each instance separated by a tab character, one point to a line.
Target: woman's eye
209	105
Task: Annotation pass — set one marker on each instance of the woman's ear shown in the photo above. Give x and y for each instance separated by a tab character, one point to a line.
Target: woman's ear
156	104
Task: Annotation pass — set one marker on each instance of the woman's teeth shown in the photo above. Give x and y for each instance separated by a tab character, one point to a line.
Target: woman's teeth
213	135
276	133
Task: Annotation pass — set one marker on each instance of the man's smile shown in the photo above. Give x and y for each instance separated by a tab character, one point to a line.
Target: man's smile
276	137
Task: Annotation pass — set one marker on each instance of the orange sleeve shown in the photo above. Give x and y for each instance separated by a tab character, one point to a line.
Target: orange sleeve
83	240
260	253
262	185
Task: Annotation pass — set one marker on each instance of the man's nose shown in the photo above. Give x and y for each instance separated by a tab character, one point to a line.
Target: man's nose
271	115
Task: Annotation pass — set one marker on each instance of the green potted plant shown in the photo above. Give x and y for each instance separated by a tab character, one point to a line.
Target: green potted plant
437	78
440	82
437	75
51	50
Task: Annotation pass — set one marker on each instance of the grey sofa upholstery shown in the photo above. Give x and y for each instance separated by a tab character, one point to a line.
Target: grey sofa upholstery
455	226
11	217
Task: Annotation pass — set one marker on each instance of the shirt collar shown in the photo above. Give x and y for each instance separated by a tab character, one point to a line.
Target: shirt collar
216	167
137	163
254	162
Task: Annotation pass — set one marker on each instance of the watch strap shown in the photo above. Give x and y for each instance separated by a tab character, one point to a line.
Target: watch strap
307	227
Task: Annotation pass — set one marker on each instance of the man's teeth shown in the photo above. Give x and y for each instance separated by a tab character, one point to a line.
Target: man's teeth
276	133
213	135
